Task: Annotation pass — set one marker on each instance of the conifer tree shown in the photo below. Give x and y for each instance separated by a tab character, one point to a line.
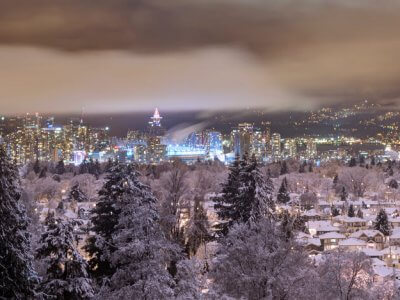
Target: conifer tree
393	184
360	213
17	277
255	193
43	173
66	276
283	195
104	219
373	161
334	211
382	222
36	167
310	167
335	180
76	194
225	203
142	252
343	194
246	195
60	168
302	168
352	162
84	167
350	212
284	168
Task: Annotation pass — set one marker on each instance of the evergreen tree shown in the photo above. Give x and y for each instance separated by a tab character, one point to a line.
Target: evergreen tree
256	191
225	204
335	180
283	195
390	171
142	252
84	167
335	211
66	275
198	229
373	161
284	168
382	222
76	194
36	167
350	212
246	195
352	162
17	278
362	160
303	166
43	173
360	213
60	168
104	219
310	167
343	194
393	184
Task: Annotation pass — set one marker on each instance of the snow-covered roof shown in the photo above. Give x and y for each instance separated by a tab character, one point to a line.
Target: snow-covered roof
377	262
367	232
352	242
383	271
332	235
371	252
391	250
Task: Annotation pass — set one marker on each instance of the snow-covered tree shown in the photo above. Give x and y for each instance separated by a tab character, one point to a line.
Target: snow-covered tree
66	276
343	194
174	190
142	252
76	194
198	231
352	162
393	184
382	222
334	211
17	277
284	168
255	261
190	279
283	195
360	213
344	275
104	218
60	168
351	212
225	203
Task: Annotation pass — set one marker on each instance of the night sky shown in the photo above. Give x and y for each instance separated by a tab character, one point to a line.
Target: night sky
125	56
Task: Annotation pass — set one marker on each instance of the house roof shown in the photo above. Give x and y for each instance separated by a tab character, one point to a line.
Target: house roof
352	242
332	235
368	233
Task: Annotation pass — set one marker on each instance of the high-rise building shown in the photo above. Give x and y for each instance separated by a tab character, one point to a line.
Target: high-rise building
276	146
290	148
259	144
311	149
242	139
156	149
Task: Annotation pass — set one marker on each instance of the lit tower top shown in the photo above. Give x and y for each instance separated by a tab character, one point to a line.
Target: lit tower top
156	119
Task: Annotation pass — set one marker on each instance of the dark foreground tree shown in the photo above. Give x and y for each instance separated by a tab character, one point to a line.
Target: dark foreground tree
283	195
104	219
142	252
17	277
66	276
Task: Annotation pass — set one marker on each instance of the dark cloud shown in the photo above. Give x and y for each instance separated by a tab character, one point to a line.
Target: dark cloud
307	52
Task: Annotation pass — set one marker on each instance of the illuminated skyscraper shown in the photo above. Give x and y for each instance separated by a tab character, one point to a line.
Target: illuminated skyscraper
242	138
156	150
276	146
290	148
311	149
